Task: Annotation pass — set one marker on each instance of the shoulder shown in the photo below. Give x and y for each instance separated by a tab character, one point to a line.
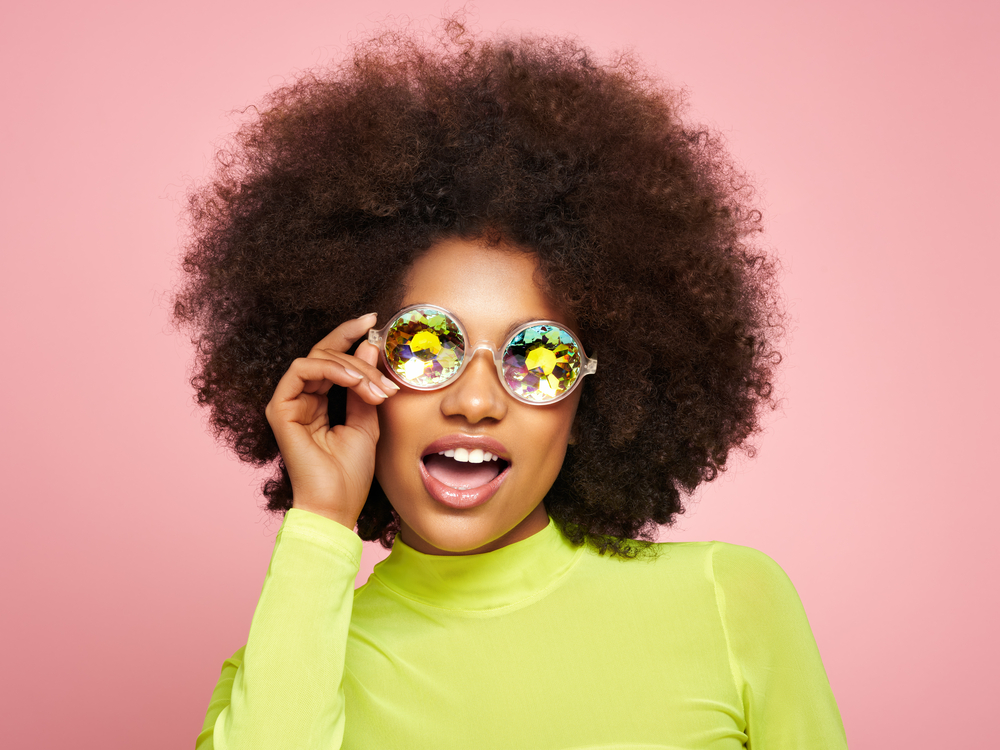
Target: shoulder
744	562
709	560
663	570
756	599
748	572
735	577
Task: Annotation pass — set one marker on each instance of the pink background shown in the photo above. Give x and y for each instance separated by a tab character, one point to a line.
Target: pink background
135	548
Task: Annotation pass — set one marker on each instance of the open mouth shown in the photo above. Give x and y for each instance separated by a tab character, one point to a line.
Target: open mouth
462	469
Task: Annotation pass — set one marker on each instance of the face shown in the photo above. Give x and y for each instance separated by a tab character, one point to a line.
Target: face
491	290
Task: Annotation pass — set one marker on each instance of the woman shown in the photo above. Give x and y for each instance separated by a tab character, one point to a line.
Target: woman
572	329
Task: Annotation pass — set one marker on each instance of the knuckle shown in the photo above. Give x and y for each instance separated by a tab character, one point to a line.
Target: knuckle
322	352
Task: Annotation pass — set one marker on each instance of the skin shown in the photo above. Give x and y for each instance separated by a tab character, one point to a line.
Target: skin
490	289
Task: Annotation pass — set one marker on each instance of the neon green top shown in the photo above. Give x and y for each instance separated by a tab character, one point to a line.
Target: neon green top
538	644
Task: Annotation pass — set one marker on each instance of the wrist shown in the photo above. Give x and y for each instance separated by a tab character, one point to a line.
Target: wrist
343	518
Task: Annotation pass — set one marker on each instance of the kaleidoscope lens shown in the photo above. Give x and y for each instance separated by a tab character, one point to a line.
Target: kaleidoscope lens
424	347
541	363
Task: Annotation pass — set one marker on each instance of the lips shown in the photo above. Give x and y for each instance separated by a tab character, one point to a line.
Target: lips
464	483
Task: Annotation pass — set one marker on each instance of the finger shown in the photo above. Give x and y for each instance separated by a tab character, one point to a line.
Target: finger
342	338
308	410
368	383
364	367
369	354
311	375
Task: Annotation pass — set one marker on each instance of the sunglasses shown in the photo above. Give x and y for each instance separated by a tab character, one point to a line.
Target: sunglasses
426	347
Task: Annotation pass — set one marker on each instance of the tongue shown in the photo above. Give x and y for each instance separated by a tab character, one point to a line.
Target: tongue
460	475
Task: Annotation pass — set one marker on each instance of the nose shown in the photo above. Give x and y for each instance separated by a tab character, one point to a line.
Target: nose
477	393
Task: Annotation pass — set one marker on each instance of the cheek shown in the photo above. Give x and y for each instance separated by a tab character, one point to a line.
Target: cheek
549	432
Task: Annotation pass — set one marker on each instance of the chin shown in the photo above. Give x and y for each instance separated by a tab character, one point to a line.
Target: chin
443	530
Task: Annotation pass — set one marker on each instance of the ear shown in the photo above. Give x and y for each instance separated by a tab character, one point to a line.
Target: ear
572	433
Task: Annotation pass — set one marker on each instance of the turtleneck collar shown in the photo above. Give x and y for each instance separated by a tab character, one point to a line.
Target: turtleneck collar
491	580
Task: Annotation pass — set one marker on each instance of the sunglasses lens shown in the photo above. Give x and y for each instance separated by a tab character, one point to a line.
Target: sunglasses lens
424	347
541	363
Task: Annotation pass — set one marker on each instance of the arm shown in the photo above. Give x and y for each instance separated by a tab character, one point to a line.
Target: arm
284	688
787	700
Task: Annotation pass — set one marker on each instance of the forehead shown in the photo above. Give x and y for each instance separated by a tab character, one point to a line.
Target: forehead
487	287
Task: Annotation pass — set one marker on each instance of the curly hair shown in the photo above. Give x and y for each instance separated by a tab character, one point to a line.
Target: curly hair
643	227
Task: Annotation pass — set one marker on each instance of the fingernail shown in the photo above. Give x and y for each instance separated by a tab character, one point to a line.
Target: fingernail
377	391
369	315
352	373
389	384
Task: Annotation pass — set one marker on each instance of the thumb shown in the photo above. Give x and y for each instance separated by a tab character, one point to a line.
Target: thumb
361	415
368	352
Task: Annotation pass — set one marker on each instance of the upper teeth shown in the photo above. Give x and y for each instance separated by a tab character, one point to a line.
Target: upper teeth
475	456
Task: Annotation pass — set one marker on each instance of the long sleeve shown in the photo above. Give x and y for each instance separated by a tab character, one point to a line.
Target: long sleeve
284	688
787	700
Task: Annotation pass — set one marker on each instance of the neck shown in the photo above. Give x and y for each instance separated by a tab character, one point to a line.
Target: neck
507	576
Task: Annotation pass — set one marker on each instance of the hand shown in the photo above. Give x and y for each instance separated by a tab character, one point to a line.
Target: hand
331	467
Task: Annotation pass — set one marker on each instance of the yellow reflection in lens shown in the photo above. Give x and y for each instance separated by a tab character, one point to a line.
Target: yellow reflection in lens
425	341
541	359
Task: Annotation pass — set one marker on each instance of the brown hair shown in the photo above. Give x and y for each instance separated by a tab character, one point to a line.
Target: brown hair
643	226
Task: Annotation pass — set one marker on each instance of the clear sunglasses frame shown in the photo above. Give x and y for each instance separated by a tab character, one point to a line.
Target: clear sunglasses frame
377	337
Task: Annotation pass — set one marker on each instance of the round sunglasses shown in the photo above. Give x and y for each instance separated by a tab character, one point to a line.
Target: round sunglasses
426	347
